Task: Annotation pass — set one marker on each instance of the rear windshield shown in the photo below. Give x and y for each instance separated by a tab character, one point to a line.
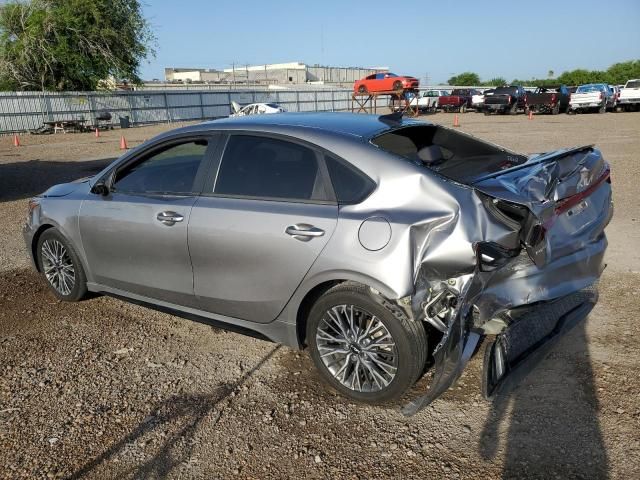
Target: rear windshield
633	84
590	88
505	90
452	154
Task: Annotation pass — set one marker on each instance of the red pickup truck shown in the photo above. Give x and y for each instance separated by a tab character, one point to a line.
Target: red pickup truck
458	101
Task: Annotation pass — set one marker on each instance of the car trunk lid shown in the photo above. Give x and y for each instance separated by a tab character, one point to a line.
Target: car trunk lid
564	192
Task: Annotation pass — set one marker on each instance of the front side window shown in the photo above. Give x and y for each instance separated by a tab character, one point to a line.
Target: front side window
270	168
172	170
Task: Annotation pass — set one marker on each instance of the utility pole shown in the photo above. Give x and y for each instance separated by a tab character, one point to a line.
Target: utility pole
233	74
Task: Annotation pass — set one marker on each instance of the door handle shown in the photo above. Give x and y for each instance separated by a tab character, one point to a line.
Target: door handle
303	231
169	218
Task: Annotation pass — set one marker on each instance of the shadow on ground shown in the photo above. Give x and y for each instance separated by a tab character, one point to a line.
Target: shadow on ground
25	179
185	413
554	430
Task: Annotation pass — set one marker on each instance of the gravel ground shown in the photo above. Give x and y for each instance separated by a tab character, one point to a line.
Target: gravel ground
105	389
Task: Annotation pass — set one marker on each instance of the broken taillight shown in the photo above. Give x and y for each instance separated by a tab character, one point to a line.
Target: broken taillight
567	203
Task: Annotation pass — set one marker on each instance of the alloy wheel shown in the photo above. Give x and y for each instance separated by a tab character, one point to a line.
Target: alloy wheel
58	267
357	348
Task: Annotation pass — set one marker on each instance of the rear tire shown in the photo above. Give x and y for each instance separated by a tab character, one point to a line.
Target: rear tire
397	85
603	108
61	266
377	367
514	109
463	108
556	109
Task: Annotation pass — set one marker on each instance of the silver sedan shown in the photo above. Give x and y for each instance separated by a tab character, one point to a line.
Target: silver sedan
386	246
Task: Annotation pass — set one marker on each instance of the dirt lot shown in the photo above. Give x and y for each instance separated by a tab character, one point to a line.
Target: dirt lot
104	389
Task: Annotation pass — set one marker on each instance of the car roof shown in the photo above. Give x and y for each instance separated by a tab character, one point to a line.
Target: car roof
344	124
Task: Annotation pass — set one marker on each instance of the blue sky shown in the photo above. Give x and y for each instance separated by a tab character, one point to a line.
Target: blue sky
492	38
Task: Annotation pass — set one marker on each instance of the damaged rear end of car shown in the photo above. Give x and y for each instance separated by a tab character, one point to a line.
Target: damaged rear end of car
516	259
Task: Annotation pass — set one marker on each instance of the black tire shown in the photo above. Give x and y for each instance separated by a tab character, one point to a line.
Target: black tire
513	110
79	288
397	85
463	108
362	89
556	109
487	112
603	108
409	337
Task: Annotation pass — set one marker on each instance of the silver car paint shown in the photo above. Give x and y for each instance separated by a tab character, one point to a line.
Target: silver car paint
434	225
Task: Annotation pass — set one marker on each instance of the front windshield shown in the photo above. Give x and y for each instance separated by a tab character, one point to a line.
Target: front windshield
590	88
391	75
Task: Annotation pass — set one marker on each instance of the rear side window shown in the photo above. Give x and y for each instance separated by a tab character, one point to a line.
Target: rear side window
350	185
270	168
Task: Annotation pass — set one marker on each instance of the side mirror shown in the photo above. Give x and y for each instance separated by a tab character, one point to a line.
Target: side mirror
100	188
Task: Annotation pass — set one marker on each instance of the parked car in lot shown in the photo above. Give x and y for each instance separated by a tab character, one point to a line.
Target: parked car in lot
426	101
281	225
593	96
385	82
548	100
477	100
506	100
614	98
255	109
459	100
629	98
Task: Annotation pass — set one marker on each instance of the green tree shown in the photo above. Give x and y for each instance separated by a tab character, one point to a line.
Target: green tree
619	73
495	82
71	44
466	78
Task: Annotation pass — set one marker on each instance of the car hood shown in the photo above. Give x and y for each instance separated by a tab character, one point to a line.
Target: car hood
64	189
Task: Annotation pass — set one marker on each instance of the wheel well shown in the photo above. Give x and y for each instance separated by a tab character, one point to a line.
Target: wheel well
307	304
34	243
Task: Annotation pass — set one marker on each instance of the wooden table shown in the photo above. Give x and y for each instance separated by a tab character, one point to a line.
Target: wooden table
66	125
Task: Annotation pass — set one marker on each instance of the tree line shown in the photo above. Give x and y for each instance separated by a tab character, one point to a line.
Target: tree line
616	74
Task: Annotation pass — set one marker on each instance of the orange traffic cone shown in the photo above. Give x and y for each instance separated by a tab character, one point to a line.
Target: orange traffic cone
16	140
530	115
123	143
456	121
97	132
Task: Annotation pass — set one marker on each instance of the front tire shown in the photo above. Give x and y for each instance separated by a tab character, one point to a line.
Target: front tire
364	346
61	267
397	85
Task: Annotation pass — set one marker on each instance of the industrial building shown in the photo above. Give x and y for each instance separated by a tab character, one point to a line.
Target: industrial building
291	73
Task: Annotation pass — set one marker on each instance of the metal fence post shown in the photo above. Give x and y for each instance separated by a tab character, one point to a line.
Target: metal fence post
166	106
298	101
315	97
201	106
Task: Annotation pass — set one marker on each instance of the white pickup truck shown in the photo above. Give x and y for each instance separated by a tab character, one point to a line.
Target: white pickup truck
593	96
629	98
427	101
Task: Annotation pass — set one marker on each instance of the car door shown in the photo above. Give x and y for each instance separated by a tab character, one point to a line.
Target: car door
135	237
270	213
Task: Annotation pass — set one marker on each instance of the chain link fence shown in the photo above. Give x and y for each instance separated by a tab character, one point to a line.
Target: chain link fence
26	111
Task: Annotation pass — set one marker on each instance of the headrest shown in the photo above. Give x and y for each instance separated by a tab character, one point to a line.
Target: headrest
430	154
